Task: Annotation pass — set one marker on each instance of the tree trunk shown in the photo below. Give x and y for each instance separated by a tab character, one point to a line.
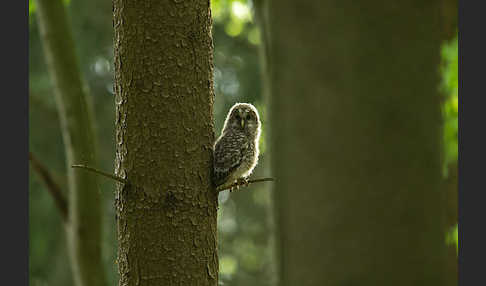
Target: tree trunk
164	132
83	224
355	141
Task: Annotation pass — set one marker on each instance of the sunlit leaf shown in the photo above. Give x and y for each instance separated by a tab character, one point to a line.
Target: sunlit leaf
227	265
453	237
449	87
234	28
32	6
241	11
216	9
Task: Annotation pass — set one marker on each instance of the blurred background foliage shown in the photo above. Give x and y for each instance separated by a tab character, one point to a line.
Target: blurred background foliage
449	88
245	222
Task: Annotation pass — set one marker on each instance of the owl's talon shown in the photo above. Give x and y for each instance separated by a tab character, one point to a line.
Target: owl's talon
242	182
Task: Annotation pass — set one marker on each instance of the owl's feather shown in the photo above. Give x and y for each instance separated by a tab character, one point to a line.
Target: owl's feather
228	154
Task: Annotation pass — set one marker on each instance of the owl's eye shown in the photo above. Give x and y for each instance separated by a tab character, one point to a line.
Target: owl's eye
248	117
237	116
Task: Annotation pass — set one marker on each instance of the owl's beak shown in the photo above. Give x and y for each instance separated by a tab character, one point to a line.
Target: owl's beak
242	123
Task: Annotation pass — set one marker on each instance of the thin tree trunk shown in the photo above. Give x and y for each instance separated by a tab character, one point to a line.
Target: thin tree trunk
355	141
164	132
84	204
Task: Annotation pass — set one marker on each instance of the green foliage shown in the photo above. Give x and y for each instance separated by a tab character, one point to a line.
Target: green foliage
449	87
227	265
237	18
33	6
452	237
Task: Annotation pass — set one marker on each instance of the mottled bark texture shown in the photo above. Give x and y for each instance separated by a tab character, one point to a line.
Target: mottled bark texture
164	133
355	141
84	203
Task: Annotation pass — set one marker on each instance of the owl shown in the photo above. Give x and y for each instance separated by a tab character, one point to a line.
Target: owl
236	149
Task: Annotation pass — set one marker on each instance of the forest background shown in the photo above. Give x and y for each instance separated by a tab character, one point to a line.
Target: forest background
245	219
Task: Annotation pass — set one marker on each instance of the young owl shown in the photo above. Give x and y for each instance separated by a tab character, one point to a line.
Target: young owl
236	149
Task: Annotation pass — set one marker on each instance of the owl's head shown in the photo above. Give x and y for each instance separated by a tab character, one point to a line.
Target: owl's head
244	117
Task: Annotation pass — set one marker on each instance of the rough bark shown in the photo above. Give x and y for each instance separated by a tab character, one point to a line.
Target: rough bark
355	141
164	133
84	221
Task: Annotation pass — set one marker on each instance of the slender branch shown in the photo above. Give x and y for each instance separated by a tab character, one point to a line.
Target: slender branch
99	172
243	183
219	189
52	187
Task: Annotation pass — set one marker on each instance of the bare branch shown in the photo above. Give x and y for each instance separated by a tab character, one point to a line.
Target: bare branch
243	183
124	181
99	172
53	188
